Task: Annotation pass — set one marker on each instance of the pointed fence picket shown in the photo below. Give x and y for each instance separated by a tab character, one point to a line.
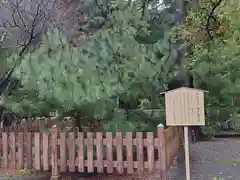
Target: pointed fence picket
88	152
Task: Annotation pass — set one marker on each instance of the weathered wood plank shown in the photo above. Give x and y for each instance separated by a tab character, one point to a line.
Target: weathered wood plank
29	151
45	150
99	145
150	151
55	152
80	152
90	164
140	157
13	159
37	155
129	147
119	149
5	150
63	153
20	153
109	152
162	153
71	151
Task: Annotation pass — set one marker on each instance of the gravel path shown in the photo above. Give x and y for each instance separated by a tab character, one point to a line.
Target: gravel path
218	158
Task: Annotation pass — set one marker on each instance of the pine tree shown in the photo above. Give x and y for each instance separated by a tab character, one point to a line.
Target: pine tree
113	73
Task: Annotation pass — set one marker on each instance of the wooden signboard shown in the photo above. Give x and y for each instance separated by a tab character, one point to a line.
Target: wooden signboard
185	107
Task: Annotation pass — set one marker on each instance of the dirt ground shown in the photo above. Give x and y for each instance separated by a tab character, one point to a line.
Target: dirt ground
218	158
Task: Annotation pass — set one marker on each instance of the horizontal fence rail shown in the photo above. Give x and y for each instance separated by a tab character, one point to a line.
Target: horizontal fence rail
90	152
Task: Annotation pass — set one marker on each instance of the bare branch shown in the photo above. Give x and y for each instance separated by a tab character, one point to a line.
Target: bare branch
14	20
21	17
211	16
25	21
31	36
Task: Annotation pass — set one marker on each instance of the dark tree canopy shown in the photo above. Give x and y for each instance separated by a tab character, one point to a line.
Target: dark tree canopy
182	79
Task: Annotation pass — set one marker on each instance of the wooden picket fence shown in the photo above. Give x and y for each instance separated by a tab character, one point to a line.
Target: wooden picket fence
103	152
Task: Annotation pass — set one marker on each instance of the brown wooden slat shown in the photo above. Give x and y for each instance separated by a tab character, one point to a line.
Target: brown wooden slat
119	149
5	150
140	157
109	152
45	155
167	148
55	151
63	152
162	153
167	141
71	148
90	152
37	155
129	147
80	152
29	150
99	145
20	151
13	150
150	150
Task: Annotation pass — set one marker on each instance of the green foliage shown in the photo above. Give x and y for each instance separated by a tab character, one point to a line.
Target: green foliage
215	63
26	171
113	66
216	178
126	58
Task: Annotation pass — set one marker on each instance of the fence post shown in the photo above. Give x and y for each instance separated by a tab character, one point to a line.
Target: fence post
55	153
162	152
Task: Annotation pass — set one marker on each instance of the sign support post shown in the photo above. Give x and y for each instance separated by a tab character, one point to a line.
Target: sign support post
186	149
